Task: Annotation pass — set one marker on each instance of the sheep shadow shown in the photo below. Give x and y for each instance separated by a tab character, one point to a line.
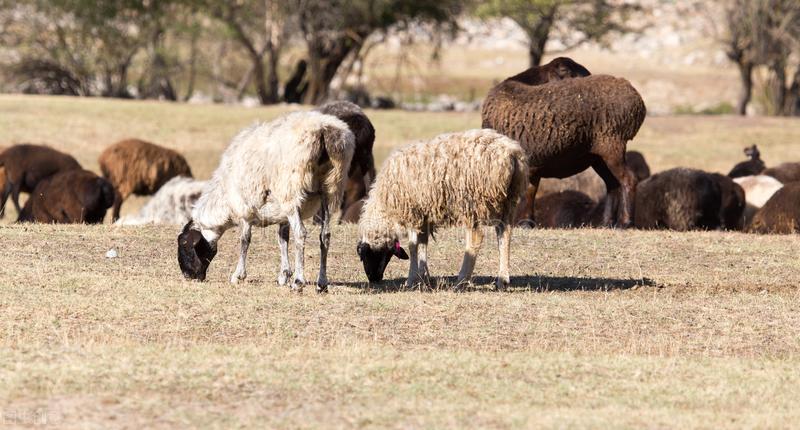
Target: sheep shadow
518	284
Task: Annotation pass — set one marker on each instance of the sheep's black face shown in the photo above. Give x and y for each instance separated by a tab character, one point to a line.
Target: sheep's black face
375	260
194	253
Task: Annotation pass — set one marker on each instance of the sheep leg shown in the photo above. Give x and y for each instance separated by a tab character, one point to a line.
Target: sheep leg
4	198
324	245
474	241
413	259
15	190
422	239
283	243
299	233
611	201
525	211
117	205
621	186
241	271
503	232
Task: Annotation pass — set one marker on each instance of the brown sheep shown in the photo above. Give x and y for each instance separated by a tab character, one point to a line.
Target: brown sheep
569	125
565	209
558	69
26	165
687	199
784	172
751	167
781	213
73	196
362	168
134	166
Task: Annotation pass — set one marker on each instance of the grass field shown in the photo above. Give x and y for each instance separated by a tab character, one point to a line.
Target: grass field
600	327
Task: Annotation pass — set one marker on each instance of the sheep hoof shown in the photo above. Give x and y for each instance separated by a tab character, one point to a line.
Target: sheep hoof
500	284
298	284
235	279
283	277
322	288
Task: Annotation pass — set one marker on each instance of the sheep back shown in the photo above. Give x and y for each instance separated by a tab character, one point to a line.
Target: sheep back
678	199
171	204
560	122
28	164
135	166
781	213
784	172
73	196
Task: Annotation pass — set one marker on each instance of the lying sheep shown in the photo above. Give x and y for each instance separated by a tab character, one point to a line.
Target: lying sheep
69	197
565	209
569	125
362	168
687	199
280	172
757	190
26	165
781	213
784	172
471	179
134	166
753	166
172	203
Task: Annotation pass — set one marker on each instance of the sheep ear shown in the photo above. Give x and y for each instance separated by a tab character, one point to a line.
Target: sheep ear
399	252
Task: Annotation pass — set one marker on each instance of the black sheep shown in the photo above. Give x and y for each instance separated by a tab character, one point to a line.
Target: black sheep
74	196
751	167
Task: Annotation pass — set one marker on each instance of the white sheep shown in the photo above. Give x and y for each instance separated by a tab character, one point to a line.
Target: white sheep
171	204
279	172
757	190
469	179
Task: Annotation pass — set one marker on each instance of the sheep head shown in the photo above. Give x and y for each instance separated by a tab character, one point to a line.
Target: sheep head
194	252
375	259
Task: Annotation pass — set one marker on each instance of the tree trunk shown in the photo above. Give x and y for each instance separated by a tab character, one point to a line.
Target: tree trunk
295	89
260	79
323	65
793	96
746	76
779	88
538	34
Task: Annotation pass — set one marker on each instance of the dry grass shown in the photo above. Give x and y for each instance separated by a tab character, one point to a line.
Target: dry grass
600	328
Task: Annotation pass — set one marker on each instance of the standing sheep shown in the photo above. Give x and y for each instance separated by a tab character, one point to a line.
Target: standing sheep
69	197
781	213
569	125
471	179
26	165
171	204
784	172
362	168
280	172
757	190
134	166
753	166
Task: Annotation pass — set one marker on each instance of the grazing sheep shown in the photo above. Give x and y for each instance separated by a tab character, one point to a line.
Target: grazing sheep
69	197
587	182
134	166
279	172
558	69
784	172
757	190
471	179
171	204
781	213
565	209
362	168
753	166
687	199
26	165
569	125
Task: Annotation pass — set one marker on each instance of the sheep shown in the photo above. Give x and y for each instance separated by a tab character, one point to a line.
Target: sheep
753	166
781	213
687	199
26	165
279	172
68	197
171	204
565	209
362	168
586	182
757	190
569	125
471	179
134	166
559	69
784	172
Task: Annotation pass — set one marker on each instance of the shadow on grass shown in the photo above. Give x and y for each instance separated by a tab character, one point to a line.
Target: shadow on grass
518	284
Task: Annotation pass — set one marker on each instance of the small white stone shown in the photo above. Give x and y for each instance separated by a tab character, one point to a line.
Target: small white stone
111	253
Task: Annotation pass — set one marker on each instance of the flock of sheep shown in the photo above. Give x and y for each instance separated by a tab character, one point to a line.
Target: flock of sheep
539	126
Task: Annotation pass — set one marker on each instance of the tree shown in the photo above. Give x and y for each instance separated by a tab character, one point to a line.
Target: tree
590	20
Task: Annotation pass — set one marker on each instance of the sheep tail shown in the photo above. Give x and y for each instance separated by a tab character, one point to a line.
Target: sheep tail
337	145
517	185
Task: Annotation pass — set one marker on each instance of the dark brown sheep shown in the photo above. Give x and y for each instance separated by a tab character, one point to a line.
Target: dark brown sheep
362	168
73	196
570	125
134	166
784	172
565	209
26	165
558	69
781	213
687	199
353	212
751	167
